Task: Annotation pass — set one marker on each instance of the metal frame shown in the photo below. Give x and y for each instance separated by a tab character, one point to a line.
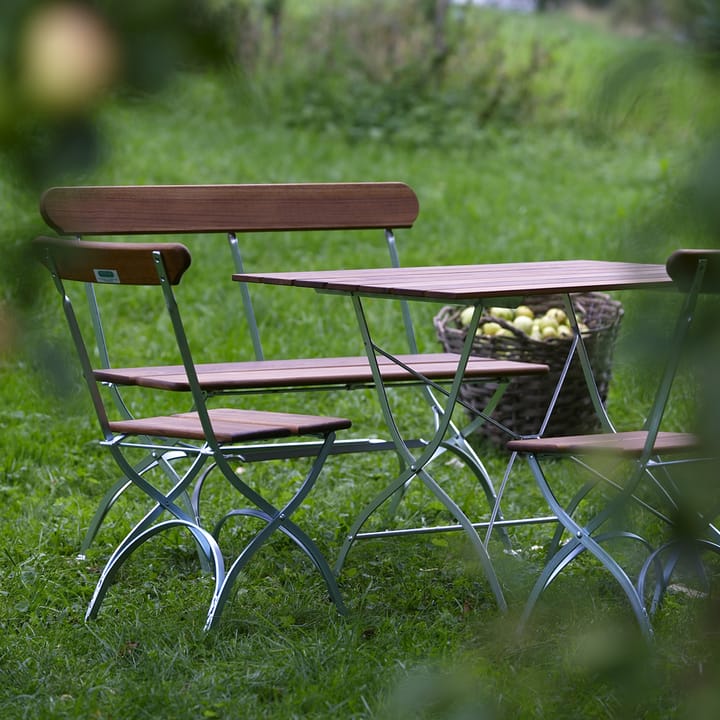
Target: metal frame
455	442
648	470
161	451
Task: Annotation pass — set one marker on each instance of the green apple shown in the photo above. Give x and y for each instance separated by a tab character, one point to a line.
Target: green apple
549	332
491	328
504	313
525	311
466	315
558	314
523	323
564	331
547	321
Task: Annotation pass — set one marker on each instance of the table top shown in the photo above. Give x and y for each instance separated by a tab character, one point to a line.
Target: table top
456	283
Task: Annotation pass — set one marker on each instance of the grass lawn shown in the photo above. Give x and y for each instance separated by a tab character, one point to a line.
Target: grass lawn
423	638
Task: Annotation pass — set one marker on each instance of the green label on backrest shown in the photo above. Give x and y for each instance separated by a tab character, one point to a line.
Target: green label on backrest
106	276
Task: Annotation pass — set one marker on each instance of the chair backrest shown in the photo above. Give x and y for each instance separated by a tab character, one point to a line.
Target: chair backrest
685	265
693	271
112	263
234	209
117	264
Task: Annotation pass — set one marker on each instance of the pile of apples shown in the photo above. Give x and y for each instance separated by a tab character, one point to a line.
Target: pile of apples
553	323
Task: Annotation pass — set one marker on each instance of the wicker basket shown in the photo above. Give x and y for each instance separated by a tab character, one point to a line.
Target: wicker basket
526	399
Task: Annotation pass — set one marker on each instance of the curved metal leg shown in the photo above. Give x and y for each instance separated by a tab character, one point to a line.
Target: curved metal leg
165	502
571	550
582	539
108	500
279	522
115	492
363	516
666	569
275	519
125	549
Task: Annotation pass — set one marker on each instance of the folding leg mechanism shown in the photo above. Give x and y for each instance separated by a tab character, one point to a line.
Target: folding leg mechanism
199	442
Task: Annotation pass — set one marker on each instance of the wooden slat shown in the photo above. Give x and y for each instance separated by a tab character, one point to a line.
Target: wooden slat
471	282
148	209
623	443
314	372
232	425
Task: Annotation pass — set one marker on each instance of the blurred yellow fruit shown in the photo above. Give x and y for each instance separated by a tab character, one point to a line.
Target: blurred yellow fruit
68	58
547	321
504	313
523	323
466	315
491	328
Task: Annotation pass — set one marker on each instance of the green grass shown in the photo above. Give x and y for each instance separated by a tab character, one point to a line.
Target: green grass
423	638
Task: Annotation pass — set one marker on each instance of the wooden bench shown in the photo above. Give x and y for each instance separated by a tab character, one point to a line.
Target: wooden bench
116	211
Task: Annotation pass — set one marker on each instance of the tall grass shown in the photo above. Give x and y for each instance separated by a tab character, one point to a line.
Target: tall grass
423	637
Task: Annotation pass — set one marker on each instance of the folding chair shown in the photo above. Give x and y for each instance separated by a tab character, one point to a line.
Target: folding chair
208	438
649	470
262	208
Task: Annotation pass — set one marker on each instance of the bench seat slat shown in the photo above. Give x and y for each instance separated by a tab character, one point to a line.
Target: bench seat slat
308	372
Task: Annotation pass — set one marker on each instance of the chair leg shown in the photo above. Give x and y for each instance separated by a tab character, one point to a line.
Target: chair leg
560	559
115	492
582	539
108	500
275	519
298	537
165	503
666	569
203	538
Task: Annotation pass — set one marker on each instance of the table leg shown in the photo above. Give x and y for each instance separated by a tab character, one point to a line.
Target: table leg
416	466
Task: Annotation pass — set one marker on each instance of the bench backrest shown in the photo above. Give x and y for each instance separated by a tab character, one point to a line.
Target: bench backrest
235	209
148	209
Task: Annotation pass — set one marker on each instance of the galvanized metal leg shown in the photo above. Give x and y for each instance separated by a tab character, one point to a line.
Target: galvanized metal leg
203	538
665	569
275	519
582	539
416	466
114	493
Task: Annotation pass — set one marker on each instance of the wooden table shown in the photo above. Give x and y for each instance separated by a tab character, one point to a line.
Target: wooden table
476	285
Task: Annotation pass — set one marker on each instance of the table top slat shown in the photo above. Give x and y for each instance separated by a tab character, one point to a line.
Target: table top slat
456	283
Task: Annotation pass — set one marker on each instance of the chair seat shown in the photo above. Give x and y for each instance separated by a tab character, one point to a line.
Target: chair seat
622	443
307	372
231	425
